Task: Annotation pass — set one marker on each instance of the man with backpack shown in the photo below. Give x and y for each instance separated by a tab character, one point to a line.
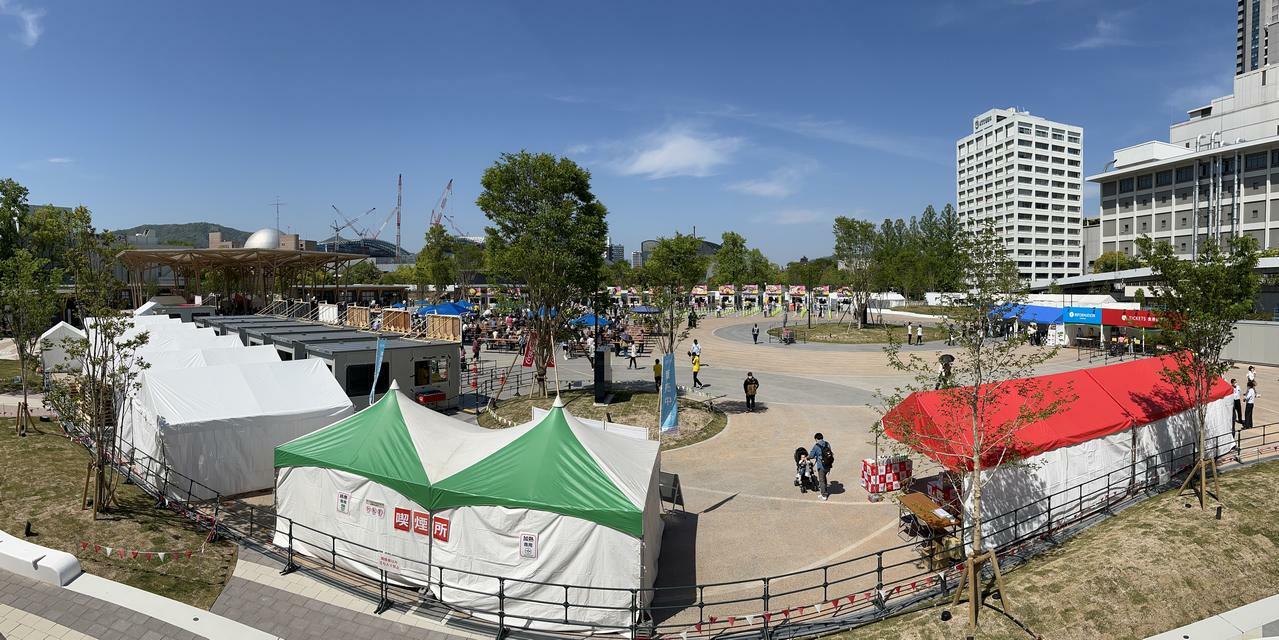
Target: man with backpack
751	387
823	459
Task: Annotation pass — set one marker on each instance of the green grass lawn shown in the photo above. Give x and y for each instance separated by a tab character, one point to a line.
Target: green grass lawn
9	372
843	333
42	481
1154	567
636	408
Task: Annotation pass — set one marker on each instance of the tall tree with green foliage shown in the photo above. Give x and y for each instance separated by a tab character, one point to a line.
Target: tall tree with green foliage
436	263
619	274
971	431
13	215
855	251
671	271
89	398
28	306
808	273
1114	261
548	231
759	269
731	261
1202	299
362	272
469	257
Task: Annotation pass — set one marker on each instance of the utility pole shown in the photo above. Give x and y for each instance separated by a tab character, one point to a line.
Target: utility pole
278	204
399	191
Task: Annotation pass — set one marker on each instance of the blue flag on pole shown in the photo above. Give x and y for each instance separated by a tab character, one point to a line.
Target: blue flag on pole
377	367
670	407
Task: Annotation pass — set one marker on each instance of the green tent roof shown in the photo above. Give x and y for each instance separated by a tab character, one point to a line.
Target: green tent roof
373	444
547	468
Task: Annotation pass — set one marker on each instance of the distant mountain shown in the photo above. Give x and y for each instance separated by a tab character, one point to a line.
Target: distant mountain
190	234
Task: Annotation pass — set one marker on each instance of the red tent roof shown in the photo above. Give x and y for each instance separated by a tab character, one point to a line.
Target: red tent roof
1107	400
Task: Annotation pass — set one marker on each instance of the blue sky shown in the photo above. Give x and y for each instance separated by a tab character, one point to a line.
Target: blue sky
765	118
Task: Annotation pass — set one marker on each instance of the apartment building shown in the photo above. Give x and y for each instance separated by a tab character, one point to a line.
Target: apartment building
1254	22
1023	174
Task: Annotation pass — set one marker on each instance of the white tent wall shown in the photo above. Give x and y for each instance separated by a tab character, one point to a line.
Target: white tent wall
483	540
219	425
1080	477
53	353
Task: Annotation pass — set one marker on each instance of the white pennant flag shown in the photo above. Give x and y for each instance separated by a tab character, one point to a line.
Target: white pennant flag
162	556
750	621
819	607
107	549
684	635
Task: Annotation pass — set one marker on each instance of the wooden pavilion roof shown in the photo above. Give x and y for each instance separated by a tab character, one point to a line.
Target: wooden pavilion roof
186	258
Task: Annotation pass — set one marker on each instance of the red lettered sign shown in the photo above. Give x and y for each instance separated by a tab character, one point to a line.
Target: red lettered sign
1129	318
402	517
441	529
421	523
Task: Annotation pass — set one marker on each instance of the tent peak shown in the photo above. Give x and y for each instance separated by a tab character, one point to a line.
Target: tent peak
559	402
395	385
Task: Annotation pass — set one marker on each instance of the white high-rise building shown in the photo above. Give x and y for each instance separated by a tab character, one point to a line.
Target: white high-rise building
1023	173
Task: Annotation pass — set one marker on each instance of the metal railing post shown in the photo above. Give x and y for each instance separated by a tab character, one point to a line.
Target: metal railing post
879	570
764	632
634	612
501	607
289	566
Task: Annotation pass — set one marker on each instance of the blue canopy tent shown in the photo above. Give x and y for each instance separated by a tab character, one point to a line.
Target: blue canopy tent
1032	313
589	320
644	308
446	309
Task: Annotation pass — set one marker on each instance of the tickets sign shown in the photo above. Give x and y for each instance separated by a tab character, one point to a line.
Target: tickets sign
1129	318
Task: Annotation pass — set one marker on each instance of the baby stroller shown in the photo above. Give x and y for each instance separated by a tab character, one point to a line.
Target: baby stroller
805	477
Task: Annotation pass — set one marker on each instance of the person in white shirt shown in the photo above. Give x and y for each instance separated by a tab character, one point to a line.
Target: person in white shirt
1252	374
919	333
695	351
1249	398
1238	413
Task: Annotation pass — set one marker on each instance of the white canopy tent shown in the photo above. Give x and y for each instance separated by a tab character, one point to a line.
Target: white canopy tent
53	353
551	501
218	425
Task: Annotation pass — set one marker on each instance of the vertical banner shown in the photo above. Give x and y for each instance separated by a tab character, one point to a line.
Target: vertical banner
377	367
528	350
670	407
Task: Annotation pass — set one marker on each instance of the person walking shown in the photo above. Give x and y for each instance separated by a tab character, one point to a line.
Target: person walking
755	333
696	351
657	374
475	349
1252	375
823	458
1249	399
910	336
630	352
697	368
919	333
1238	412
950	335
751	387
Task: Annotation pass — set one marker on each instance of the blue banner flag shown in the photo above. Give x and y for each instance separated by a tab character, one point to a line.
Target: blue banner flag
670	407
377	367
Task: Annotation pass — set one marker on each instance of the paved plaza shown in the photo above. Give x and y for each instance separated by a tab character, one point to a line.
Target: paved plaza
743	517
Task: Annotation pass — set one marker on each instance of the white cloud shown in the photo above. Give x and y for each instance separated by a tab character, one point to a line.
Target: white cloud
1108	32
842	132
1194	95
677	151
791	216
779	184
30	18
59	160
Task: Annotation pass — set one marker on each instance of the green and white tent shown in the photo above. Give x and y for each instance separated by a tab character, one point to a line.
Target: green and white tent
410	490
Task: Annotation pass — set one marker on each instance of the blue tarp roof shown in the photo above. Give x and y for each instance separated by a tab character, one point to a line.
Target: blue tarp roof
446	309
1032	313
589	320
643	308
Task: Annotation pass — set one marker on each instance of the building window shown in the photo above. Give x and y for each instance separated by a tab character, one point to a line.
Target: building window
1163	178
1254	161
1125	185
1144	182
1274	158
431	371
1227	165
1187	173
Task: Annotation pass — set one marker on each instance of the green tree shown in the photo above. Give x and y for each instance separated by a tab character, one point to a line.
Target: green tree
732	261
13	216
29	298
671	271
855	250
436	263
619	274
548	231
470	261
970	431
87	398
759	269
808	273
1114	261
403	274
362	272
1202	300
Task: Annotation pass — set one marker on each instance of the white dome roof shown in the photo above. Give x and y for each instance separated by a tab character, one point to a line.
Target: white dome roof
263	239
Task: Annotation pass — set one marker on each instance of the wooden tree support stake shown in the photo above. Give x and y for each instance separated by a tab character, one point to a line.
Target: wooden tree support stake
1200	472
970	586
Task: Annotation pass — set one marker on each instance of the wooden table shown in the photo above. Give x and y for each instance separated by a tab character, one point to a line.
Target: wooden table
939	545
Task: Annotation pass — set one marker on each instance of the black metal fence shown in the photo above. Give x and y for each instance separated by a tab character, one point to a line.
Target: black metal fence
801	603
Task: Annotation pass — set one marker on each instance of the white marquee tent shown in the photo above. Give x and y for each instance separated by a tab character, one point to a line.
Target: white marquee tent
220	424
53	354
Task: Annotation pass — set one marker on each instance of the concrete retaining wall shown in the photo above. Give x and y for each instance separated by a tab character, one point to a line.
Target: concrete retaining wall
1256	342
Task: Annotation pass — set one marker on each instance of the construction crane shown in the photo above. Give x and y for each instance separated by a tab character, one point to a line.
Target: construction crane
349	222
438	213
